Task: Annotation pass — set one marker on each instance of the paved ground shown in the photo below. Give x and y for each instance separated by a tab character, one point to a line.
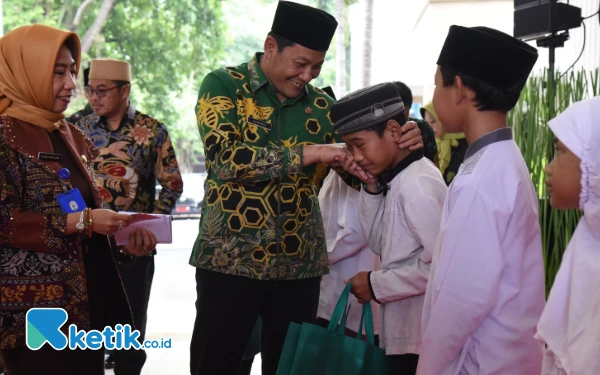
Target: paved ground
172	311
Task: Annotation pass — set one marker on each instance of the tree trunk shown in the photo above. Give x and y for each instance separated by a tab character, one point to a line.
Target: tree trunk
368	46
48	10
185	156
340	49
185	149
90	35
1	20
79	12
63	13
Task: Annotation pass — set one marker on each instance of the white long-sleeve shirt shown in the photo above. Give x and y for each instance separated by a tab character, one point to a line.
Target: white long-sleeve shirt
486	289
346	247
551	365
402	227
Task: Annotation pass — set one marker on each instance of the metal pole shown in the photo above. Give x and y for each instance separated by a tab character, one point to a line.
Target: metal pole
552	88
552	60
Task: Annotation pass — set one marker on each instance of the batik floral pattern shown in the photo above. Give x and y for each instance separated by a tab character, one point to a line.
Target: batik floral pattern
131	159
260	214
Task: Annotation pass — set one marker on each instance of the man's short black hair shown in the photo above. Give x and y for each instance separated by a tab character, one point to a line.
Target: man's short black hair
281	42
405	94
380	128
121	83
86	76
487	98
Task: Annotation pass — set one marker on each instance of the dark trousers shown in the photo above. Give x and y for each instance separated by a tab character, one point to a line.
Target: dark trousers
404	364
137	280
245	366
48	361
226	311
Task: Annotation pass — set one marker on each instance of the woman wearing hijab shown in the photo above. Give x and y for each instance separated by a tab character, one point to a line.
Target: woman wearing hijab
54	248
451	146
569	324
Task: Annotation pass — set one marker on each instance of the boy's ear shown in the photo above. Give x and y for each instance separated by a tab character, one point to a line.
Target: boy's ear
461	92
394	128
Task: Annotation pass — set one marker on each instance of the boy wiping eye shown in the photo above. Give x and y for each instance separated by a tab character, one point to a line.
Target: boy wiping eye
399	215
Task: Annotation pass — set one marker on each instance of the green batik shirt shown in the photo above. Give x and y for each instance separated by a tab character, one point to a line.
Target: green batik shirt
260	214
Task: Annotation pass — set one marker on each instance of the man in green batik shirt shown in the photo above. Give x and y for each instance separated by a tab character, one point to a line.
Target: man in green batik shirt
260	251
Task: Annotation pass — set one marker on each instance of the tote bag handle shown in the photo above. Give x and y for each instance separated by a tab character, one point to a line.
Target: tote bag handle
367	318
340	313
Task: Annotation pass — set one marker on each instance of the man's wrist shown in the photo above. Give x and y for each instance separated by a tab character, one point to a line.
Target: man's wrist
310	155
371	288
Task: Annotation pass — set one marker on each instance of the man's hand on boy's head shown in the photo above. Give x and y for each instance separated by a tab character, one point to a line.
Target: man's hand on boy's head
360	287
411	136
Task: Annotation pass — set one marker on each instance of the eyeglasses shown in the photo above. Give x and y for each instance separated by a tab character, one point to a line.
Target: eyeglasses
89	92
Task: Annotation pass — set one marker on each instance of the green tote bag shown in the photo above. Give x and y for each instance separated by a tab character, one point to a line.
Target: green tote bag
314	350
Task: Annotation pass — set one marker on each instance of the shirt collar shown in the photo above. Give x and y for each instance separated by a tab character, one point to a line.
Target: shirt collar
503	134
131	112
402	165
258	78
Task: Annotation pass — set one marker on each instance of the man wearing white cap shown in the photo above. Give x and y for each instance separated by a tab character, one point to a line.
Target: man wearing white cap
135	151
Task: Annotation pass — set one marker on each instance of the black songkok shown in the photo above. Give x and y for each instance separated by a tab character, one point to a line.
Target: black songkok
366	108
490	56
310	27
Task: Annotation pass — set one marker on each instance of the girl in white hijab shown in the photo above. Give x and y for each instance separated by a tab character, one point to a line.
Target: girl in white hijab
570	323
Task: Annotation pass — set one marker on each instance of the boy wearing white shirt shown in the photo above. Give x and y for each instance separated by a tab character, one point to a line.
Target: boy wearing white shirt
347	250
486	288
400	212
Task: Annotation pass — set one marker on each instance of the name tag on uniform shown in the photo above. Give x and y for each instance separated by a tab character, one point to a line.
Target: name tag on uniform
259	123
46	156
71	201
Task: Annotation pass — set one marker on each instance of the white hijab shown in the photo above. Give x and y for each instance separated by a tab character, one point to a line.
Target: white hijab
570	323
